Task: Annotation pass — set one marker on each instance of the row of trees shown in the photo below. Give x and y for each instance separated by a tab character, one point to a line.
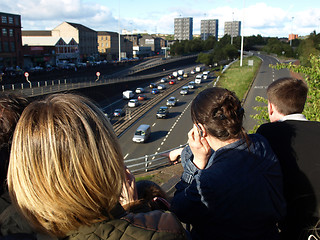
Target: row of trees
212	51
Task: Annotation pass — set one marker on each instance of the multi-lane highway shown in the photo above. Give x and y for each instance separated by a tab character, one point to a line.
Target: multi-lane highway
172	132
265	76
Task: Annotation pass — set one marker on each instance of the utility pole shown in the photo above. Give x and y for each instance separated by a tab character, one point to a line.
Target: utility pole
291	32
232	28
119	35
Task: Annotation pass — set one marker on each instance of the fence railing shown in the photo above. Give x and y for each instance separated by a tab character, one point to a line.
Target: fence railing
150	162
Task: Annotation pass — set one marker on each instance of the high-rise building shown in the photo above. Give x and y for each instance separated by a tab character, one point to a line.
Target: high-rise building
209	28
183	28
10	40
232	28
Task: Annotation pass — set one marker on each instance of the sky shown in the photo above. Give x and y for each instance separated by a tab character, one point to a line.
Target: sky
273	18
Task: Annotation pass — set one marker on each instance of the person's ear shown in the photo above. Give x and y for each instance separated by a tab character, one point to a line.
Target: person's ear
270	109
203	129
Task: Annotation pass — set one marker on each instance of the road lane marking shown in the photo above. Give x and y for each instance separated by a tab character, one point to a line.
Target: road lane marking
126	156
153	124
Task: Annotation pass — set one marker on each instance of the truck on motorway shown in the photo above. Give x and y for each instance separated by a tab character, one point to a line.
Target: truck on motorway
199	69
175	74
180	72
198	78
127	94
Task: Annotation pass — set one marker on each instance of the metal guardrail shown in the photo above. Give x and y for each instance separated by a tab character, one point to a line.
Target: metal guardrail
150	162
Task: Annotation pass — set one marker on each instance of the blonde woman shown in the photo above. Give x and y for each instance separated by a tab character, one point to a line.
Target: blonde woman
66	175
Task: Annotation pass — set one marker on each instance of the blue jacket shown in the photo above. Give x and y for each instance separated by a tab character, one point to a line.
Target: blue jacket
237	196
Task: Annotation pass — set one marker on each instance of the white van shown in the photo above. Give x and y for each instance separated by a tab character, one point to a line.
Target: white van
198	78
206	75
142	133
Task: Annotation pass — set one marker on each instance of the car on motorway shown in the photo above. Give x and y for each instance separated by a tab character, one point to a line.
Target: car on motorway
171	76
118	112
185	75
172	82
142	133
139	90
161	86
191	85
163	112
184	90
155	91
133	103
142	97
193	71
205	74
163	80
172	101
180	78
152	85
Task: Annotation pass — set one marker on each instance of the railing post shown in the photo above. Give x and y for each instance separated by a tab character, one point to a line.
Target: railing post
146	162
12	86
46	83
22	86
38	84
2	88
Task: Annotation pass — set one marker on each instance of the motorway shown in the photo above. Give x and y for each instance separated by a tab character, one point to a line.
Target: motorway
172	132
264	78
166	133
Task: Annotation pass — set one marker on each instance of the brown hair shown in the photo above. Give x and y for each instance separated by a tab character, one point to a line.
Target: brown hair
66	168
220	111
11	107
288	95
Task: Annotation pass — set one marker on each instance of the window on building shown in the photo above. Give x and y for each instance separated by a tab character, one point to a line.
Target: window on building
12	47
11	32
16	19
11	20
5	47
4	32
4	19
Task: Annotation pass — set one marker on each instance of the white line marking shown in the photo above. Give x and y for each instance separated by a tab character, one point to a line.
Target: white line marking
153	124
126	156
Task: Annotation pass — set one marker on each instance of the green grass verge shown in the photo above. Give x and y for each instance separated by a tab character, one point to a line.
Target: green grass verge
239	79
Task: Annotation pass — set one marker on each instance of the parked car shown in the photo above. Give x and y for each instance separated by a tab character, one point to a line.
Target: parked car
142	97
139	90
191	85
152	85
133	103
163	112
184	90
172	82
171	101
142	133
155	91
161	86
163	80
118	112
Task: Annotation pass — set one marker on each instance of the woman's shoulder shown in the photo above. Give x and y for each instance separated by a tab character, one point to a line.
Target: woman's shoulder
156	224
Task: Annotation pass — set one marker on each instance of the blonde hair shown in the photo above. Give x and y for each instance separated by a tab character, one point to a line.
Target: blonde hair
66	167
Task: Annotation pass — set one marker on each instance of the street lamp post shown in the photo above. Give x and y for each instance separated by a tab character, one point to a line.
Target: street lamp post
291	31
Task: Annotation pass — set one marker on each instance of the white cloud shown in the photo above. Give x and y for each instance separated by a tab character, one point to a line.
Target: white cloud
260	18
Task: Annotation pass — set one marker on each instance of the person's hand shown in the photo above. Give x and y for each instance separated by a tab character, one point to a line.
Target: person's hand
200	148
129	191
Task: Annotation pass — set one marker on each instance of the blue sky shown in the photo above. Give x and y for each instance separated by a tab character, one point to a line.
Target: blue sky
268	18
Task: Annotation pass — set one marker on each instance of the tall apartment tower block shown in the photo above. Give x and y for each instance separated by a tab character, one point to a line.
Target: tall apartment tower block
232	28
183	28
209	28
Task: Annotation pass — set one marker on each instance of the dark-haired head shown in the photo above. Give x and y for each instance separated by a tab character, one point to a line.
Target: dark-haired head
288	95
11	107
220	112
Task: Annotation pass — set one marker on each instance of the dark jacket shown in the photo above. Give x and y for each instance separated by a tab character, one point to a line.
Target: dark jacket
297	145
141	226
237	196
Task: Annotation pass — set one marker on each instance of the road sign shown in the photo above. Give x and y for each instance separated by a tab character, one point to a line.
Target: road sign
98	74
26	74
